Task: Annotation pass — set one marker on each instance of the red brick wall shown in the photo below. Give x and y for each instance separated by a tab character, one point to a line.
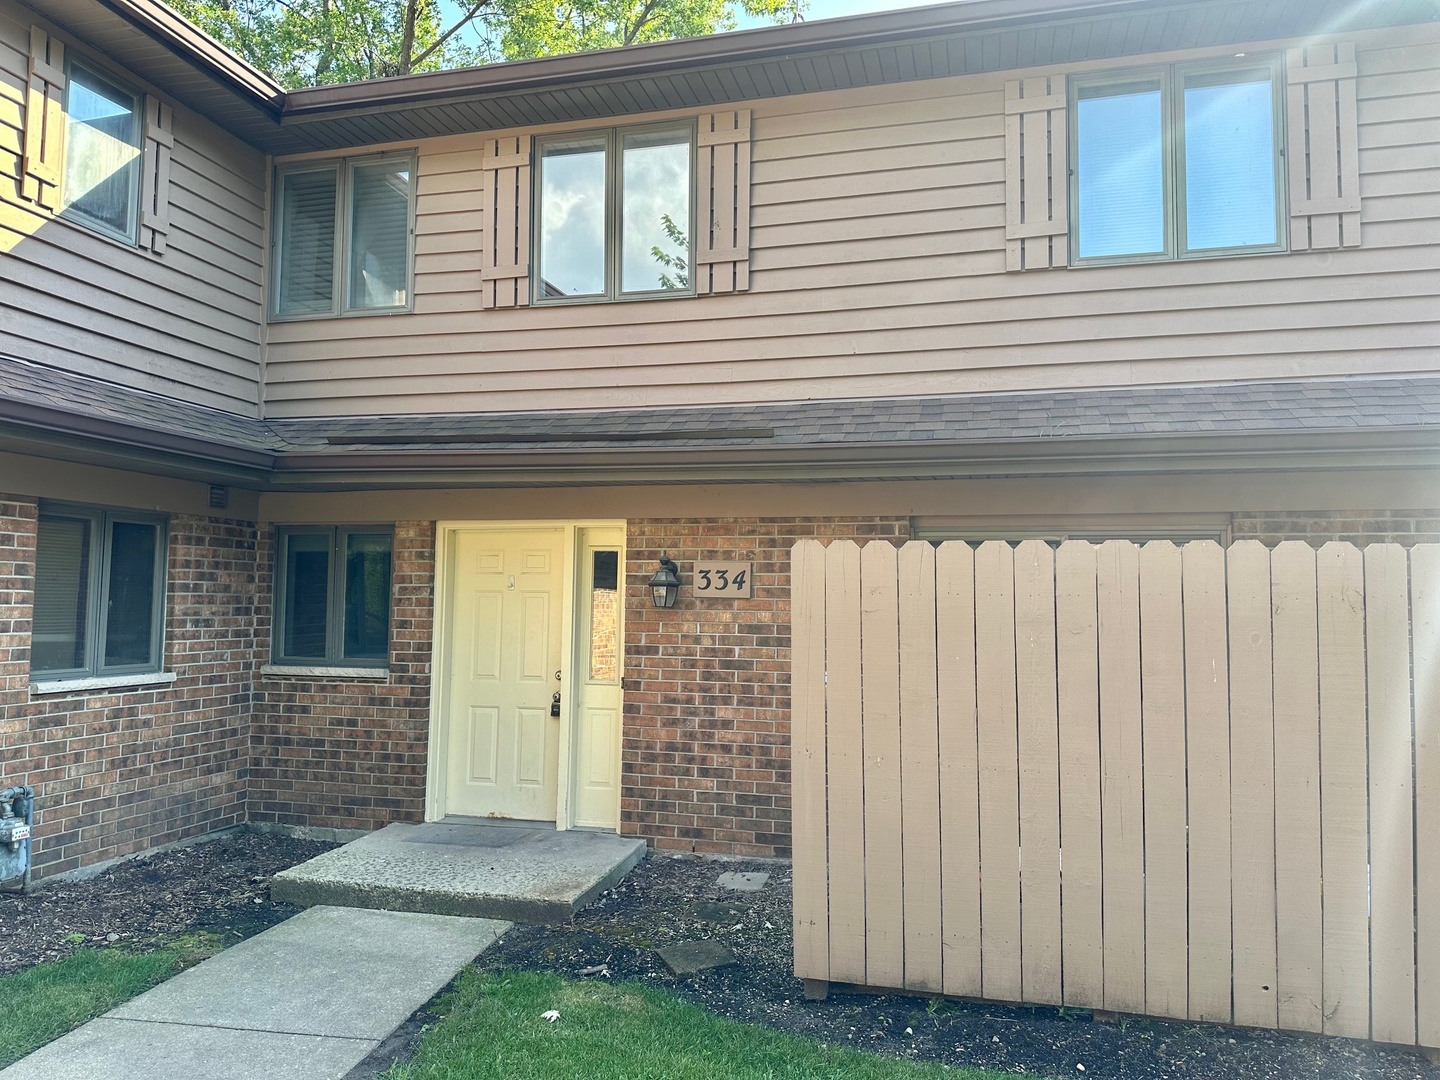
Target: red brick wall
707	686
119	772
348	754
1358	527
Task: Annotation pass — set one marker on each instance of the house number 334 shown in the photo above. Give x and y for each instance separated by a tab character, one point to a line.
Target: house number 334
728	579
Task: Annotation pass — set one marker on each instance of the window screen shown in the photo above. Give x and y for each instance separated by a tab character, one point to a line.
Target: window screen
101	182
307	242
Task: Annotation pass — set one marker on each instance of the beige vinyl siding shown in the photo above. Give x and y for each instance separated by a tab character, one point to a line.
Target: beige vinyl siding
878	268
187	323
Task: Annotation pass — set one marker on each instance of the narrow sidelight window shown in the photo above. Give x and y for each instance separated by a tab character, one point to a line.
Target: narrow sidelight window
101	173
1177	162
332	595
614	214
343	236
99	592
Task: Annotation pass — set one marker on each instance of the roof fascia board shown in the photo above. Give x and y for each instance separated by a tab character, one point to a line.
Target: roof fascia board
1341	450
191	44
313	104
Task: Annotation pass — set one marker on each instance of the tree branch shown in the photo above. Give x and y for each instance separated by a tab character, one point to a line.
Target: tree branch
448	34
639	24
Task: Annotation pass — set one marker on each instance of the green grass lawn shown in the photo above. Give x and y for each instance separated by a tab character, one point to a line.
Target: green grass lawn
493	1027
42	1003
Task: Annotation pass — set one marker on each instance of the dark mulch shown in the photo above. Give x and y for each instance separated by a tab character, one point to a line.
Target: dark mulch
667	900
221	887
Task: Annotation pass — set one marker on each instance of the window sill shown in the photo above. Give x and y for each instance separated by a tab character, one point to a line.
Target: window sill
325	671
103	682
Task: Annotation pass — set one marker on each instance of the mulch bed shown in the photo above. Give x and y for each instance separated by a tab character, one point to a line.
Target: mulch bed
221	886
667	900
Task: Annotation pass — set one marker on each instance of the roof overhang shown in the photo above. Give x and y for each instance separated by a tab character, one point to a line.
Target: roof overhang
960	38
41	432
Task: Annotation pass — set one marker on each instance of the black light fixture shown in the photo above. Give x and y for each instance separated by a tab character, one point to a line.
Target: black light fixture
665	585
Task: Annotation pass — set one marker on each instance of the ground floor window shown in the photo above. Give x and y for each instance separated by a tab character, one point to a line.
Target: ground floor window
332	595
99	592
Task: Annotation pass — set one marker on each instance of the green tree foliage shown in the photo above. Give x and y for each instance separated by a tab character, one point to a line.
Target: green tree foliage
676	274
318	42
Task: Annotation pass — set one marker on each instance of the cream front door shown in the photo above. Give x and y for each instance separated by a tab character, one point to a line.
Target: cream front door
505	650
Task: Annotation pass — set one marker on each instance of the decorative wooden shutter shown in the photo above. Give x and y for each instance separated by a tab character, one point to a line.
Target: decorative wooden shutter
1324	147
1037	200
44	120
722	160
155	176
505	212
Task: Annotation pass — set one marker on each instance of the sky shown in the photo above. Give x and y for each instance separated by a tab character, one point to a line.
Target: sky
818	9
833	9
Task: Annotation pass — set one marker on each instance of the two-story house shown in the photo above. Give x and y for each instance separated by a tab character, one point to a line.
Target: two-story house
343	430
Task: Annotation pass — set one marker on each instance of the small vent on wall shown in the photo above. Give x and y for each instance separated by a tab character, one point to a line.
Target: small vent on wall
219	497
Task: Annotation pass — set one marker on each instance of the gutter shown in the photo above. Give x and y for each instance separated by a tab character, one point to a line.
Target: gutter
191	44
312	104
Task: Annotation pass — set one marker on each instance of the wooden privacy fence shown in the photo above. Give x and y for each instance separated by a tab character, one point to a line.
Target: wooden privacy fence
1226	745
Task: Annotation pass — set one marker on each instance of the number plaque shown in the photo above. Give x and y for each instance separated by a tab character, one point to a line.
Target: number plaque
724	579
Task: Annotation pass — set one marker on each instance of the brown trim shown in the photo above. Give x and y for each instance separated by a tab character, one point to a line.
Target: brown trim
771	42
191	44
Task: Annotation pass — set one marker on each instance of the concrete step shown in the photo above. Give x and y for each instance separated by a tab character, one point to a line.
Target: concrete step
539	876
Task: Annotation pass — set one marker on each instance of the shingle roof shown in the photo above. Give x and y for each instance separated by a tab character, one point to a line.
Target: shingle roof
1297	406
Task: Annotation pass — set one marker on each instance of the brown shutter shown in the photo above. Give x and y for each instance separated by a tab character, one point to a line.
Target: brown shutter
1037	220
1324	147
722	160
505	233
155	176
44	120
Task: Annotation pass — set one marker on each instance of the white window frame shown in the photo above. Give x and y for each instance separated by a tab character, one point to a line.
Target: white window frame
97	592
614	203
70	212
343	169
1171	78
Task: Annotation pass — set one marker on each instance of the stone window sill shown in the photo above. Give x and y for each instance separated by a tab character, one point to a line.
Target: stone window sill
322	671
103	682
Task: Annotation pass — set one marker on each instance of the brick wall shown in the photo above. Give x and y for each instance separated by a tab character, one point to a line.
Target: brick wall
707	686
1358	527
349	754
119	772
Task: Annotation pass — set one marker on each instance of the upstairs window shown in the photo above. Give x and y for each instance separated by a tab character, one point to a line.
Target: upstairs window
1177	162
332	596
344	236
613	214
99	592
101	175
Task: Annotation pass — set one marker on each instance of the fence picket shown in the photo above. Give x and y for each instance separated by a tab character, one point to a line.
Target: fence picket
807	762
919	769
1207	738
844	760
959	781
1299	935
880	710
999	771
1162	683
1425	605
1391	796
1039	752
1121	775
1343	842
1078	681
1232	748
1252	784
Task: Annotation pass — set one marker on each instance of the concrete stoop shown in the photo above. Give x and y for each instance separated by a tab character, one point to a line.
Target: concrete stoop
539	876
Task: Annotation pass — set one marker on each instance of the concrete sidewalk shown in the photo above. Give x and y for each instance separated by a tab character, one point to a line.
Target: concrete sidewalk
308	999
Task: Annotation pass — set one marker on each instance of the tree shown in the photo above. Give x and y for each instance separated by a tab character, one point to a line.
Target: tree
317	42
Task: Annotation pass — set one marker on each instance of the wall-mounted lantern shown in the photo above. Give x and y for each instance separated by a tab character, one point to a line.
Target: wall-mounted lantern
665	585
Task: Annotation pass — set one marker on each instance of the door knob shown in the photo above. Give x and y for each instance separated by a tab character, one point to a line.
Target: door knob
555	704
